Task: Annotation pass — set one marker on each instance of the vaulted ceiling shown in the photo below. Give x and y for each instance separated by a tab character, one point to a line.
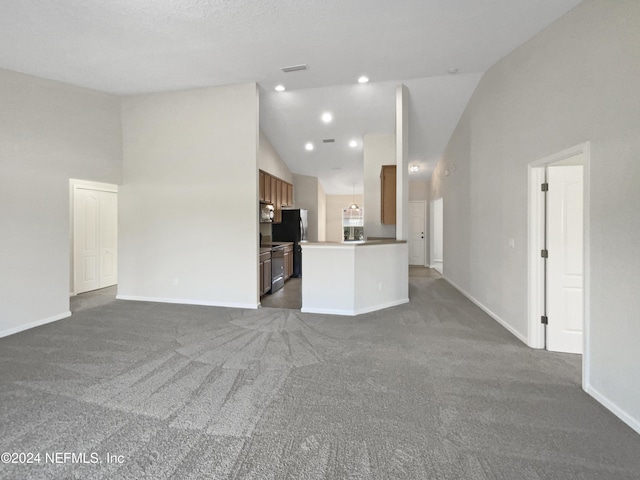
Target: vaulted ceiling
139	46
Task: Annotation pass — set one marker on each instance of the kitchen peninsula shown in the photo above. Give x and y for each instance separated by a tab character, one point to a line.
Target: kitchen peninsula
351	278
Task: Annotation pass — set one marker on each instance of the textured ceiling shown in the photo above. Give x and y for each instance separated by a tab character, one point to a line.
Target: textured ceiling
136	46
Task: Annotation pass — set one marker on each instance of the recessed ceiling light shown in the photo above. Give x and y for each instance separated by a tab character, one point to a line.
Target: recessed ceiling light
280	88
363	79
452	71
308	146
327	117
353	143
414	168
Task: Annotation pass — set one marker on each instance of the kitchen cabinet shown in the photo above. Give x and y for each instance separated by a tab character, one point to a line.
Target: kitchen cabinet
288	261
267	188
278	202
276	191
261	177
274	186
265	272
289	201
388	195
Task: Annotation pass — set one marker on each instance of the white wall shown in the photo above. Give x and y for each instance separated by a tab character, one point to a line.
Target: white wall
269	160
419	190
188	203
49	132
335	204
306	195
379	149
576	81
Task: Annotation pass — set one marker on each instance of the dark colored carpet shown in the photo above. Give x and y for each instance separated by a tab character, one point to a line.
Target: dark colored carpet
434	389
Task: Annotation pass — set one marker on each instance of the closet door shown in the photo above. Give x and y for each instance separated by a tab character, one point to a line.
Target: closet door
86	239
108	232
95	234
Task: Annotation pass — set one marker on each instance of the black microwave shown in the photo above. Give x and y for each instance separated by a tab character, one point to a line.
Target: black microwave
266	213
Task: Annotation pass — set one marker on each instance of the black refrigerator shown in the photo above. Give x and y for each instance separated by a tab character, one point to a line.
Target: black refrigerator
292	229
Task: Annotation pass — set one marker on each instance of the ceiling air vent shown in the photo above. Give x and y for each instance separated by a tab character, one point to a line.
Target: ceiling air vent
329	140
294	68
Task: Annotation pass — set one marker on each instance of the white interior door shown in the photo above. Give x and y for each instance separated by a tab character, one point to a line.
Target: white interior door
86	206
417	230
565	291
108	218
95	252
437	231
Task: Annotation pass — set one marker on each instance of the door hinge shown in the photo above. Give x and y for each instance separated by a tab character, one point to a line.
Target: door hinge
544	320
544	253
544	187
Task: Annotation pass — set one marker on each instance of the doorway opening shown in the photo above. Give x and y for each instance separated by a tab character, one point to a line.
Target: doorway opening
437	235
417	233
558	253
94	238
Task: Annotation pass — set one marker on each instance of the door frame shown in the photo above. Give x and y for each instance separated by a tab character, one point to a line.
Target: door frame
536	287
426	228
75	184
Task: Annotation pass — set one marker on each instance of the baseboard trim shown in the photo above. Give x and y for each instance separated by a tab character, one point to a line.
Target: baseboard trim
185	301
354	312
328	311
381	306
614	408
511	330
37	323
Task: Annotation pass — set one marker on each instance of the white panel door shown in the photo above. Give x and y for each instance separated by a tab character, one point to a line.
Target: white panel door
417	224
95	235
108	239
565	291
86	240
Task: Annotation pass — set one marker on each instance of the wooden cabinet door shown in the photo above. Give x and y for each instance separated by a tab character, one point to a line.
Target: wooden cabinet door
261	278
261	186
274	185
278	200
279	193
289	195
267	188
388	195
266	276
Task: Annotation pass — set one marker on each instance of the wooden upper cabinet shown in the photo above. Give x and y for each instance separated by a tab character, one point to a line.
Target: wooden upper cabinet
388	195
267	188
279	201
289	195
274	191
261	178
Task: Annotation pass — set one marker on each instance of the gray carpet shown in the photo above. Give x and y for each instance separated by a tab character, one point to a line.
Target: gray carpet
433	389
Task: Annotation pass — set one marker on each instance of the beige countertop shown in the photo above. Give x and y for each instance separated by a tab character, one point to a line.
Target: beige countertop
274	244
268	246
354	244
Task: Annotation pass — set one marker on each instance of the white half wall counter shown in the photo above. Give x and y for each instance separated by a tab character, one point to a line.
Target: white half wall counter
352	278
